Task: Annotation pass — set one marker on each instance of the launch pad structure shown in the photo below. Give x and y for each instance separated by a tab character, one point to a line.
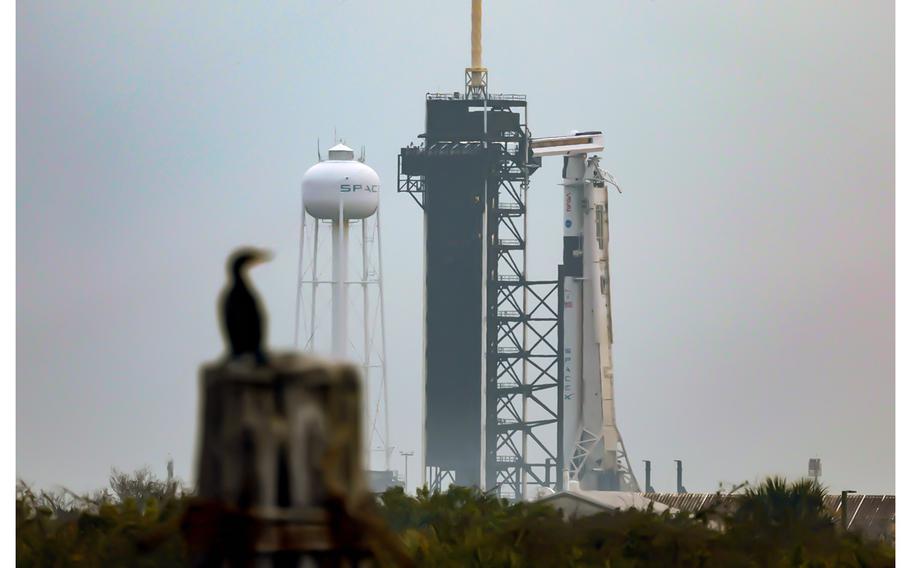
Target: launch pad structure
518	373
484	318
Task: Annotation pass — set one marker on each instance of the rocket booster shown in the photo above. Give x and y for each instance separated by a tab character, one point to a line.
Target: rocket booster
591	437
592	445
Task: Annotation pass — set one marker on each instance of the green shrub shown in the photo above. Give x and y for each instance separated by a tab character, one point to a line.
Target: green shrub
777	524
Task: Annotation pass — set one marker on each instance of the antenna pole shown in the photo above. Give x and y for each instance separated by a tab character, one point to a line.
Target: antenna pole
476	74
476	33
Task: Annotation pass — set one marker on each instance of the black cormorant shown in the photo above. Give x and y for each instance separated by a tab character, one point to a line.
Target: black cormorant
242	318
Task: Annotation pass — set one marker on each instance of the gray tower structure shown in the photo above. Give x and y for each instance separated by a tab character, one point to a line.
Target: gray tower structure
491	336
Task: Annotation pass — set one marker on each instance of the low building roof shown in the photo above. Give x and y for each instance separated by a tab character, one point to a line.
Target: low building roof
587	502
872	515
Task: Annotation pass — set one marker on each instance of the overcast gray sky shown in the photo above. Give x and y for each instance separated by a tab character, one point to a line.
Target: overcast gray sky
752	248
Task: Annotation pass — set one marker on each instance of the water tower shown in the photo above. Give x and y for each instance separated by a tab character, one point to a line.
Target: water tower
338	193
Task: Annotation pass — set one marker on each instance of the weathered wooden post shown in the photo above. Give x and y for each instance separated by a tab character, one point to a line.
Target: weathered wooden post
279	466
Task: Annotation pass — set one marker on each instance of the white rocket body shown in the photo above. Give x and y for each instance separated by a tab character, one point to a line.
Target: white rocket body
594	455
589	425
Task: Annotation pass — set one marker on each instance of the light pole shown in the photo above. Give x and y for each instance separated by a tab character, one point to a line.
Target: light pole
648	488
679	486
843	507
406	456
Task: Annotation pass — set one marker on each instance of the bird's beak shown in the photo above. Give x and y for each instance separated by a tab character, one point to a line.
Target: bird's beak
264	256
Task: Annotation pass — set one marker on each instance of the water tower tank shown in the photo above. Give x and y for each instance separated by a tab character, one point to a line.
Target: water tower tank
340	180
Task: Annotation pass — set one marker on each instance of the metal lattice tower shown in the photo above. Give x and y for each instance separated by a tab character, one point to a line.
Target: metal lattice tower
522	372
470	176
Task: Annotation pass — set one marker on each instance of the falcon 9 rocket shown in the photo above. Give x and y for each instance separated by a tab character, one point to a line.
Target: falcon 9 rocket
594	452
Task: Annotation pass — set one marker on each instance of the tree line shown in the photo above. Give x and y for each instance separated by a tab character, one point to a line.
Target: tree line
135	521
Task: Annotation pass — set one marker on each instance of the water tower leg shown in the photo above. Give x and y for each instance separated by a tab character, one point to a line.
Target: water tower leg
383	379
339	287
299	277
309	344
364	277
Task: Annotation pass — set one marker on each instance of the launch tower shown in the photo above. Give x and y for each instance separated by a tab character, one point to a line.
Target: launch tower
491	335
518	376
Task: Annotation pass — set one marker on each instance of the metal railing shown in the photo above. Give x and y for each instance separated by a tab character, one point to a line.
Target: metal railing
456	96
